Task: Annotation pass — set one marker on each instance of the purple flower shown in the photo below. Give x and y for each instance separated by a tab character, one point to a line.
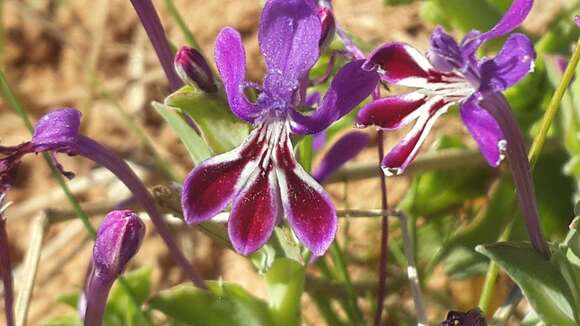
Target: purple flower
473	317
58	132
261	177
328	25
577	20
118	240
346	148
193	69
450	74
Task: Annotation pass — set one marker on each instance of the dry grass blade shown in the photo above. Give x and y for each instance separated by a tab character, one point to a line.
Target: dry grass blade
26	284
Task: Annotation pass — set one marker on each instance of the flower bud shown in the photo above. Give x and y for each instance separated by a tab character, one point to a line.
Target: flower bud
118	240
192	68
328	25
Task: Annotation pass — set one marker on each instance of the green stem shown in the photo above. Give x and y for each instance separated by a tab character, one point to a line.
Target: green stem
553	106
533	156
492	272
306	154
12	101
182	26
337	256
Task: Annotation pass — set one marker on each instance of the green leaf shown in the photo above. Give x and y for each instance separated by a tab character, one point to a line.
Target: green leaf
196	147
220	128
397	2
286	284
122	304
224	304
539	279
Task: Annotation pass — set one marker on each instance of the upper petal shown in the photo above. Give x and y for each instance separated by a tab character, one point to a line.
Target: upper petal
57	128
400	63
210	186
510	65
346	148
397	160
444	53
511	20
485	130
289	35
310	212
255	211
350	86
230	58
392	112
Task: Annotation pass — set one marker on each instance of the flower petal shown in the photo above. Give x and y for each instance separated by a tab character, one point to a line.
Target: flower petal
210	186
57	128
393	112
230	58
255	212
401	63
485	130
346	148
444	53
512	63
397	160
310	212
289	36
350	86
512	19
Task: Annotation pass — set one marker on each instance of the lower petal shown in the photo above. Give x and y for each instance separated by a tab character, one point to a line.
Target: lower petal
210	186
485	131
397	160
310	211
255	212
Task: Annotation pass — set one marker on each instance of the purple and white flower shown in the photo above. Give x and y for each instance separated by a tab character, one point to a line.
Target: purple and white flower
451	73
261	178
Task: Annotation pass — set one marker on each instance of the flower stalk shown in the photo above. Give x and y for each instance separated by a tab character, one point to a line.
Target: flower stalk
152	24
6	267
498	107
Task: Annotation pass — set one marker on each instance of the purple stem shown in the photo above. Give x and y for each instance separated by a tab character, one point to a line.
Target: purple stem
152	24
497	105
98	290
99	154
6	271
384	227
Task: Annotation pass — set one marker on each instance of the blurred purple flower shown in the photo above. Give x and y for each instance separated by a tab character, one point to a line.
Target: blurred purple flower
58	132
451	74
118	239
261	177
577	20
345	149
193	69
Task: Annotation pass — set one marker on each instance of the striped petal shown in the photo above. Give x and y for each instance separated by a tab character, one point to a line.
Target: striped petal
210	186
397	160
311	213
255	211
392	112
401	64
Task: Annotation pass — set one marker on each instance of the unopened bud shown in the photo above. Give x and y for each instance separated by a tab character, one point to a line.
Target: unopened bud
118	240
328	25
192	68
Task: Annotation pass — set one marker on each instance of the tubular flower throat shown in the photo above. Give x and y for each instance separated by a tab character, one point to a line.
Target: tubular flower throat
449	74
261	177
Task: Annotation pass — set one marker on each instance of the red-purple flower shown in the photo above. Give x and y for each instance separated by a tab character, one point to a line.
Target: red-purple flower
450	74
261	178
